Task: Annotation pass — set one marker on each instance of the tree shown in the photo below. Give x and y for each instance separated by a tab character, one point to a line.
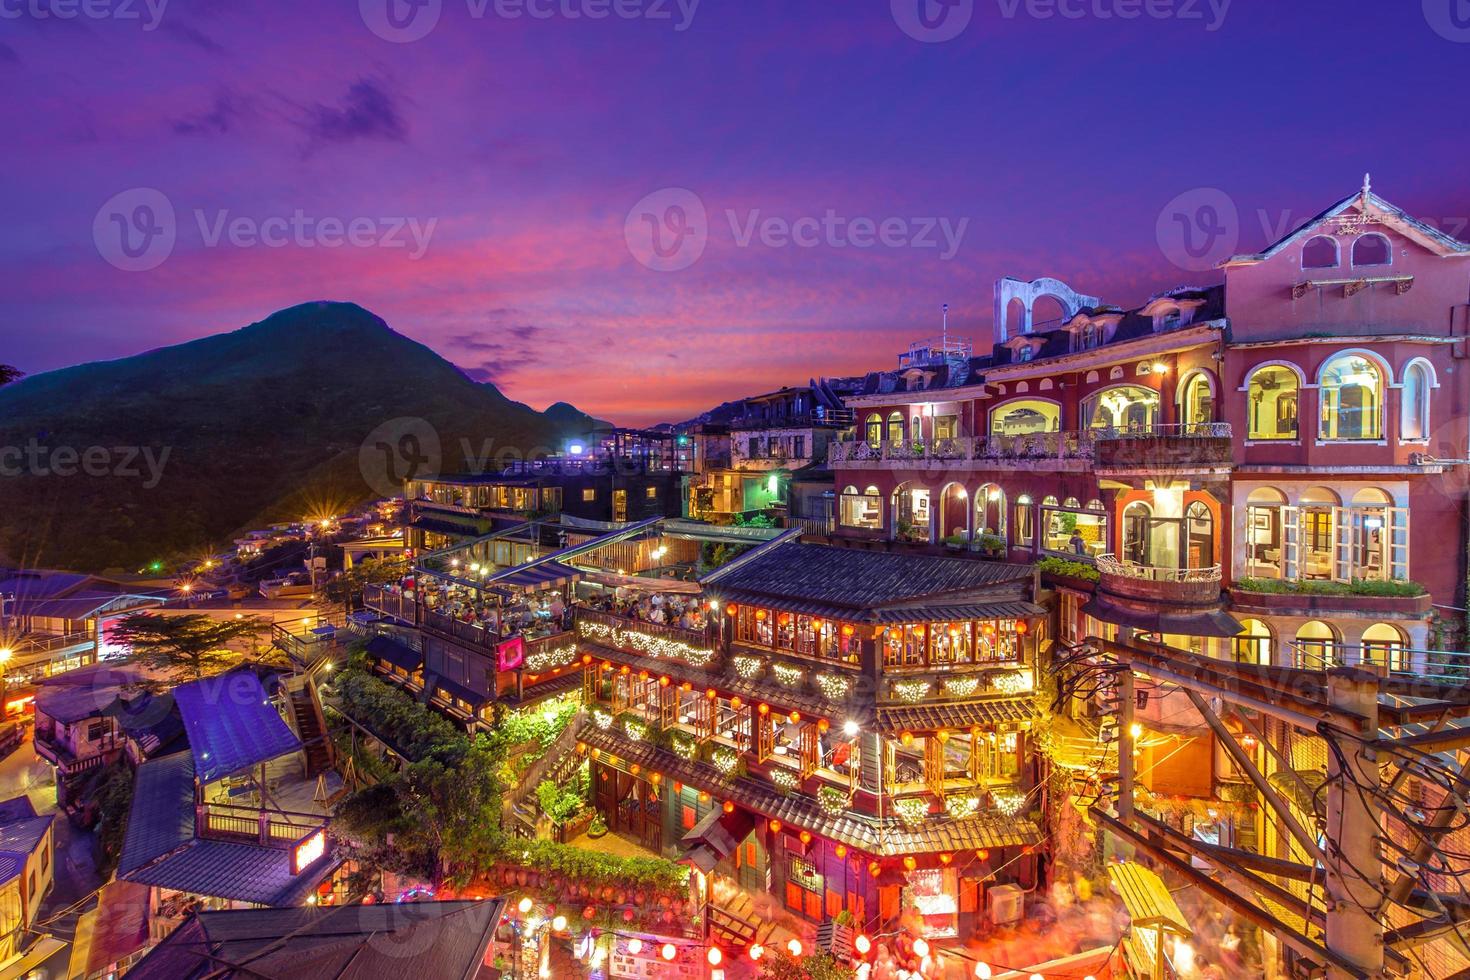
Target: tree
187	647
9	374
347	587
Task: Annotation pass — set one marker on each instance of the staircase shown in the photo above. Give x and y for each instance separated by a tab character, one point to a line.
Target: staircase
556	764
737	924
310	726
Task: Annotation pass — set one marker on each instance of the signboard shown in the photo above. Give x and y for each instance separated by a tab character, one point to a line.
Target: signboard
512	653
305	851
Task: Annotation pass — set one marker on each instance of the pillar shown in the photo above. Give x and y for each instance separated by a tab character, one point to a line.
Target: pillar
1354	860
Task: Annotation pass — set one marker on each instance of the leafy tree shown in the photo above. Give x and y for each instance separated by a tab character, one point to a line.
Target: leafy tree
114	797
347	587
186	647
9	374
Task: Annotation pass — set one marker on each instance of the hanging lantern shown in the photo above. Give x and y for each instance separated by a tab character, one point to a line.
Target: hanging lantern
983	855
678	787
1021	626
760	615
711	693
874	868
942	735
785	619
663	681
817	625
703	796
946	858
806	838
842	850
730	609
626	670
907	738
847	630
669	952
735	703
910	864
635	769
686	687
823	725
795	717
764	709
775	826
586	658
729	807
643	675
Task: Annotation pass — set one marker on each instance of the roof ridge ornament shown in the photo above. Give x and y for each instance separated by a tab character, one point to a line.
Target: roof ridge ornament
1353	224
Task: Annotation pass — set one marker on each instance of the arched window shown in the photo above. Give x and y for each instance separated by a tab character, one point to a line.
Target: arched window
895	427
873	430
1197	400
1252	645
1351	399
1372	250
1024	416
1383	645
1121	407
1414	402
1025	522
1136	533
864	510
1317	646
1320	253
1271	398
1263	533
1199	536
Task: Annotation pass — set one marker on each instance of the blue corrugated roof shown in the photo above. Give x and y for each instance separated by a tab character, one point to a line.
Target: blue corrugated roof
162	814
231	724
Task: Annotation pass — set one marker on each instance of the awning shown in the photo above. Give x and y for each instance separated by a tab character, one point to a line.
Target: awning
395	653
1215	622
471	697
933	717
716	837
974	610
1147	899
615	581
542	576
232	724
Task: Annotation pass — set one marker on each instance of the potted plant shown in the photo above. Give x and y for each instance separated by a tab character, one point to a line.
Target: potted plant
598	827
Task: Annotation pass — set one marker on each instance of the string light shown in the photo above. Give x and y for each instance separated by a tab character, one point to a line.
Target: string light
635	946
669	952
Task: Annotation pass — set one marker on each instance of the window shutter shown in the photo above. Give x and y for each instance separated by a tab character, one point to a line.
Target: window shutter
1345	526
1398	542
1291	535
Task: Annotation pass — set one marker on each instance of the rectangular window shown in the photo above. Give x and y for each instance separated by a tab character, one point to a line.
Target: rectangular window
651	493
1025	526
946	426
589	495
1075	533
798	447
861	510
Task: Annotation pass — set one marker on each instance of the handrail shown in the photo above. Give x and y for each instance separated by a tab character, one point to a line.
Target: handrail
1071	444
1111	565
1434	666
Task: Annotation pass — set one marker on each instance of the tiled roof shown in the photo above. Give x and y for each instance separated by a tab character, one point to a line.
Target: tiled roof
162	814
932	717
398	654
231	724
872	836
238	872
348	942
971	610
837	579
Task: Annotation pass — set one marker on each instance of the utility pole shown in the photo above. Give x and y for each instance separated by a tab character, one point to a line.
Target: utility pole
1355	891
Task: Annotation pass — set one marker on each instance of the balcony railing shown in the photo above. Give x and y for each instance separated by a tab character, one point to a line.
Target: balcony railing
36	644
833	418
471	633
267	828
390	602
1150	583
1192	438
1449	667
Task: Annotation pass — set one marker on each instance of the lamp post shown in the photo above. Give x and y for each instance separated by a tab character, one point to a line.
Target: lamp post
5	654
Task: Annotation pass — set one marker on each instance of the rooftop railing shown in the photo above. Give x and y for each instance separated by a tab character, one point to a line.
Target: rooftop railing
1079	444
1112	565
1447	667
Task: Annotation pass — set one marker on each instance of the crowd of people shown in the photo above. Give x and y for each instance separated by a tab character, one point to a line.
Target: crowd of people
672	609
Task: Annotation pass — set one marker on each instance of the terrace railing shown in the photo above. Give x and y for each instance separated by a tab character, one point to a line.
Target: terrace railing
269	828
471	633
1080	444
1447	667
390	602
643	638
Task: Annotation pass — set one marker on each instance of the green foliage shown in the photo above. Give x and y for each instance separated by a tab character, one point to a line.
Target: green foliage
780	965
598	869
114	797
992	544
347	587
188	647
562	803
1068	569
413	729
1395	588
754	520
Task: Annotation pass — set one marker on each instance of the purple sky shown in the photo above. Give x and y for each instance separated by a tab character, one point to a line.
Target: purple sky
526	142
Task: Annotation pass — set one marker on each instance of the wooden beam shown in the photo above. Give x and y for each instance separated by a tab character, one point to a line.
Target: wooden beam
1238	903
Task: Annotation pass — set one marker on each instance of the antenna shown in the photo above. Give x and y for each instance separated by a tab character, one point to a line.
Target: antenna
1367	187
946	330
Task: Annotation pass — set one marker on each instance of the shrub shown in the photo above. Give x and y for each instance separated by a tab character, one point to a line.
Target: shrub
1067	569
1272	586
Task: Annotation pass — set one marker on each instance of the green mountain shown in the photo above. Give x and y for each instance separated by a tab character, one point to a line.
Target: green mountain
310	411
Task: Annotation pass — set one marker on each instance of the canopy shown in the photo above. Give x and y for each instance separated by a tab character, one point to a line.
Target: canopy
231	724
542	576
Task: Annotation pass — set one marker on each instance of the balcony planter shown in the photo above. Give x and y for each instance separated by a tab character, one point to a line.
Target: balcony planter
1068	582
1287	603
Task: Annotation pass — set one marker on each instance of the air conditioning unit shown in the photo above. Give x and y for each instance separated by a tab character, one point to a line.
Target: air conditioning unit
1005	903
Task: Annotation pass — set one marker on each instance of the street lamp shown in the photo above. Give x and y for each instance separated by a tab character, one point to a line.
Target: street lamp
5	654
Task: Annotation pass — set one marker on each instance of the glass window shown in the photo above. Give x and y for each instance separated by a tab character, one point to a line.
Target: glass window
873	430
1383	645
1252	645
1074	533
1197	402
1025	416
589	495
1263	533
1122	407
1025	522
1414	422
1272	397
862	509
1372	250
1351	399
946	426
895	427
1320	253
1316	646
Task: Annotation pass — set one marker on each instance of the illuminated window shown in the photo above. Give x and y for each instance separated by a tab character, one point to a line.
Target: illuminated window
1025	416
589	495
1073	532
862	509
1121	407
1414	417
1025	522
1317	646
873	430
1252	645
1197	400
895	427
1351	399
651	493
1272	402
1383	645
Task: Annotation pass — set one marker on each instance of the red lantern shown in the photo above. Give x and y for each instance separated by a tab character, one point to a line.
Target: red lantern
711	693
910	864
764	709
847	630
663	681
760	615
823	725
735	703
874	868
842	850
806	838
775	826
730	609
795	717
729	807
1021	626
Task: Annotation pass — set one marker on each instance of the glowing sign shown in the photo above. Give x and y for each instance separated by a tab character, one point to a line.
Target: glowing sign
512	653
308	849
